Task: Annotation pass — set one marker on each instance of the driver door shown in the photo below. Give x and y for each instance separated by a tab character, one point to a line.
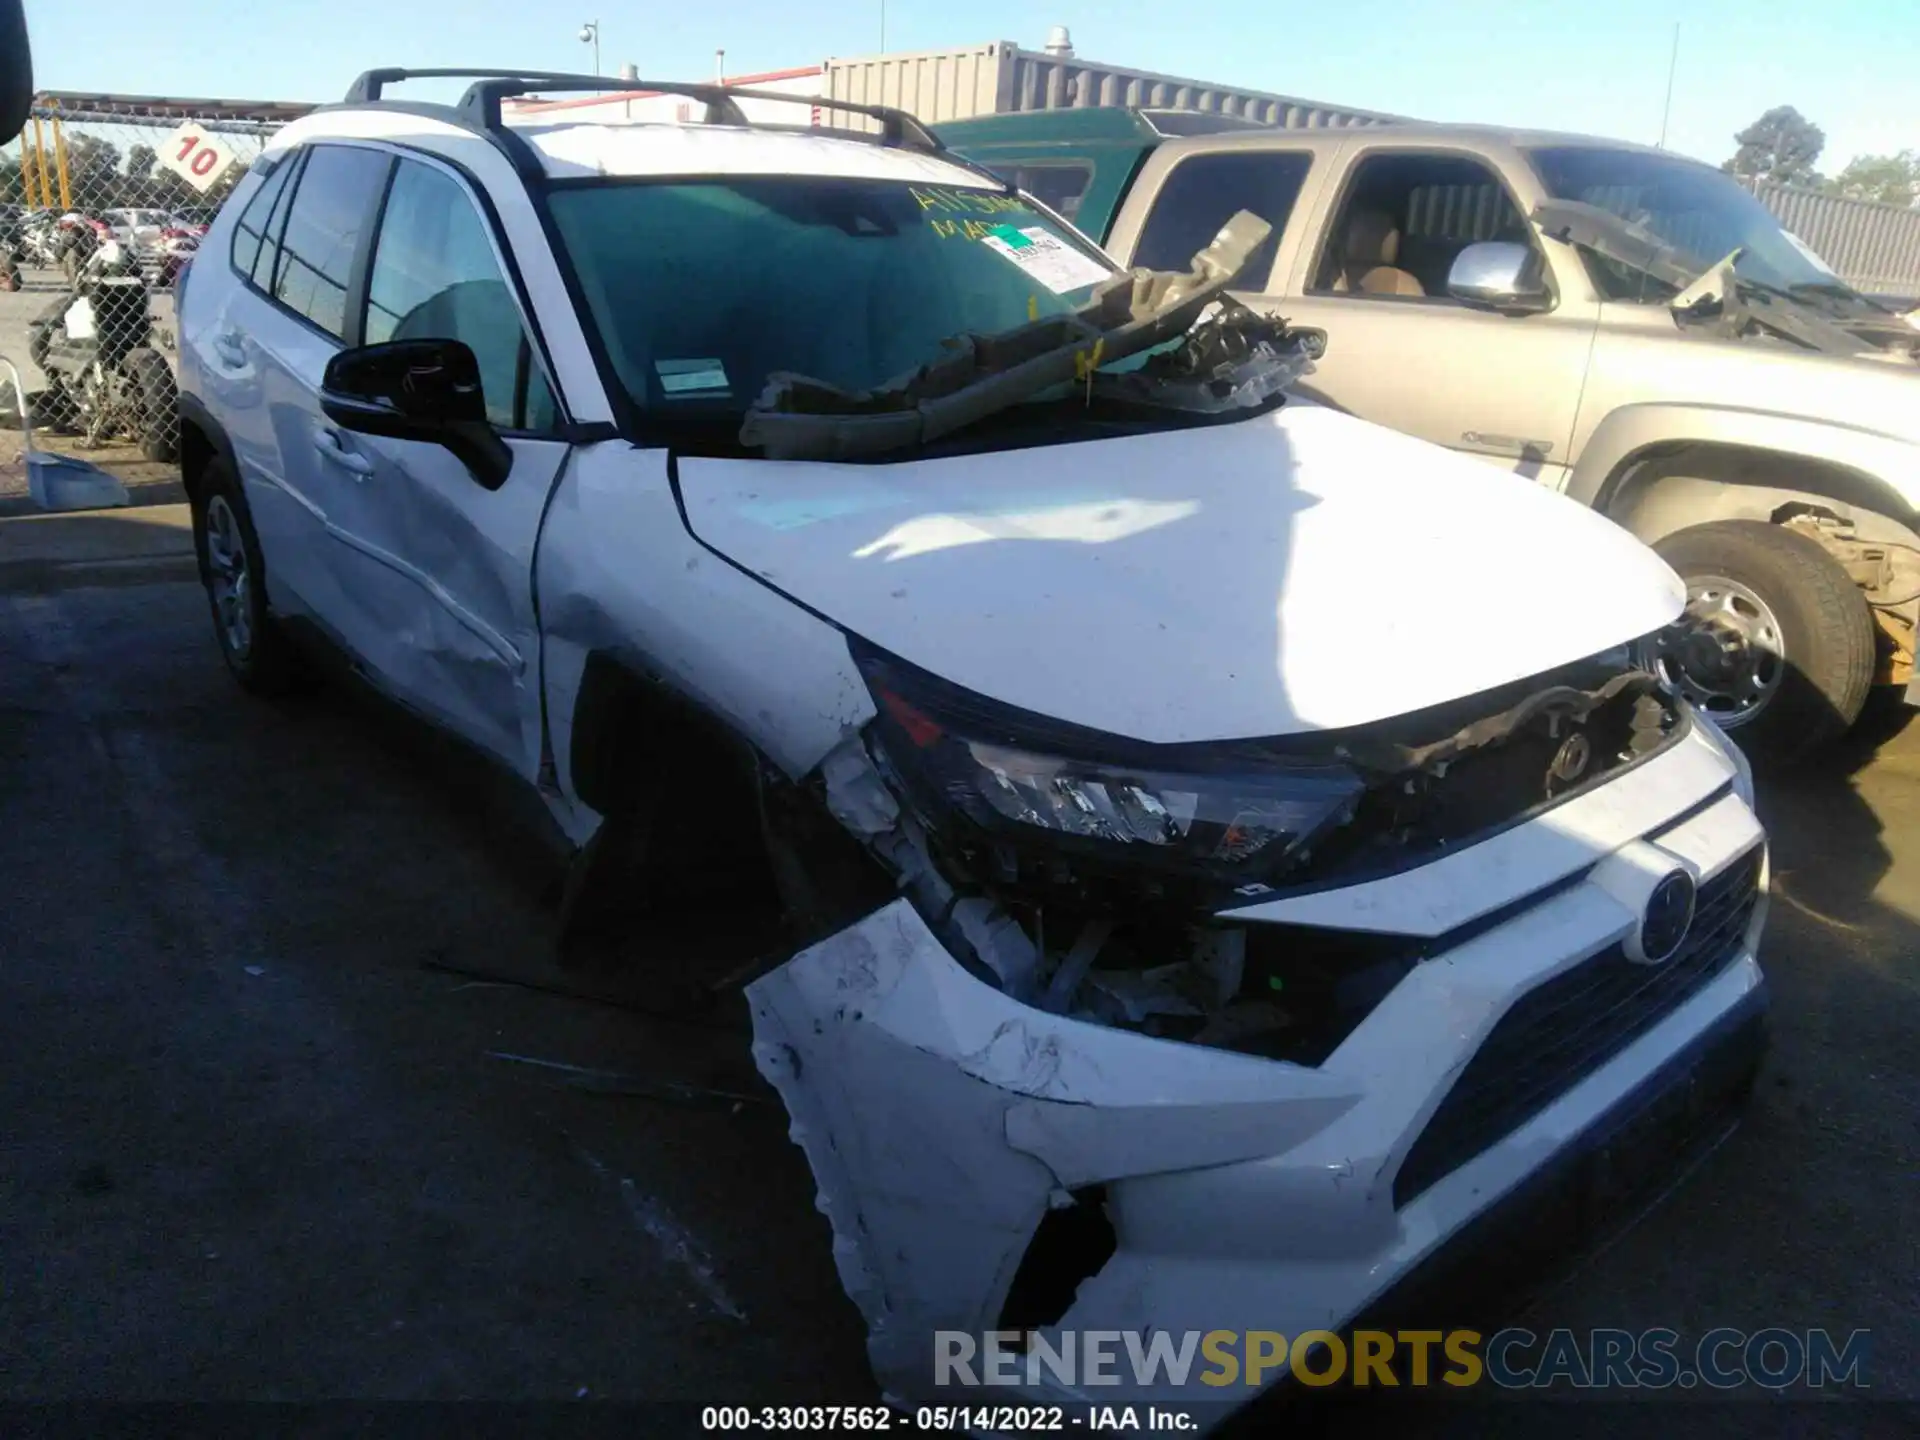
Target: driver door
1402	352
437	570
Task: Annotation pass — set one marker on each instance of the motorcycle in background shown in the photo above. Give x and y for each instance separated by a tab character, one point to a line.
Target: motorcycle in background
13	245
163	259
40	240
77	238
96	349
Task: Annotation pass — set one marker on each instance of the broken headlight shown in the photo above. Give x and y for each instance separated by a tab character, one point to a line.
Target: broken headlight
1017	778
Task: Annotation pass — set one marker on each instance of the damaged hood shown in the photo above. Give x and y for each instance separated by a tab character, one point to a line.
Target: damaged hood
1301	570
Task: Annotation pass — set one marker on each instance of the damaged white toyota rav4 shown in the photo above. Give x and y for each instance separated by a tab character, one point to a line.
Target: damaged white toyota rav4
1234	863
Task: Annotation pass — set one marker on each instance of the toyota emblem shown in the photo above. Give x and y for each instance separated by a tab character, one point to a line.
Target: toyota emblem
1669	915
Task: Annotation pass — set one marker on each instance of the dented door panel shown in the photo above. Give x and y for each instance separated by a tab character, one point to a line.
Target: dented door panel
435	577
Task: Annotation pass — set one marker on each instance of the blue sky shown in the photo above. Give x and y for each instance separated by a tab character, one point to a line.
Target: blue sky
1852	66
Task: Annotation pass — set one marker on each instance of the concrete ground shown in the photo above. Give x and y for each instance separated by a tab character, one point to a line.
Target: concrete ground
258	1142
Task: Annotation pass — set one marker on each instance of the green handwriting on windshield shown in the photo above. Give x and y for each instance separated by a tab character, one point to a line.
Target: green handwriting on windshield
953	214
967	202
948	229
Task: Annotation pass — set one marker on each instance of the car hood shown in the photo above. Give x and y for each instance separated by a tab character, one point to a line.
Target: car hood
1297	571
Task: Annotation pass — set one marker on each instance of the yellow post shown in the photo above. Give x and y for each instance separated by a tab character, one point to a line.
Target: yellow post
40	163
60	163
26	174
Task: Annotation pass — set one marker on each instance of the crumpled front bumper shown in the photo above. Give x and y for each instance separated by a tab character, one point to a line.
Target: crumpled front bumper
942	1118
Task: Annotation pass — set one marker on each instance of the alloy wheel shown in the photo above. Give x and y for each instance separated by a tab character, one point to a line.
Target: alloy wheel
229	580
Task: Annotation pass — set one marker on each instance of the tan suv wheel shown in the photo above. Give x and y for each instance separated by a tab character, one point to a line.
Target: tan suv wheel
1776	644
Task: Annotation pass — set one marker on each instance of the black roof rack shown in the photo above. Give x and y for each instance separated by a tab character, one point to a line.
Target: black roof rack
480	106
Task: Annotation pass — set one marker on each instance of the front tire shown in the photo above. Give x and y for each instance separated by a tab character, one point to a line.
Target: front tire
156	404
1777	644
258	653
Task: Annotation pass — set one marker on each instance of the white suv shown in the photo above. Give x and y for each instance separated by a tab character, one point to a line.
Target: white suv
1191	931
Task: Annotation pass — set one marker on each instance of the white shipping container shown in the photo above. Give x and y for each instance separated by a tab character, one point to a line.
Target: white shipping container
1000	78
653	107
957	84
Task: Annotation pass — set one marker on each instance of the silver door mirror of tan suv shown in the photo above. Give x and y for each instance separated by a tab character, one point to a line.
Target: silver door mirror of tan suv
1499	275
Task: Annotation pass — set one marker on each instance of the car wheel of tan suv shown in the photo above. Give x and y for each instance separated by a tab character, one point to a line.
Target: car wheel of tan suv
1776	644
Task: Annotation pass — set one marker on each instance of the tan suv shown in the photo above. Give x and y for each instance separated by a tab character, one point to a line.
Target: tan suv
1627	326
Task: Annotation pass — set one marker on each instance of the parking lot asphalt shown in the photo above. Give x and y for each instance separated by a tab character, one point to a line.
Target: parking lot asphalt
259	1140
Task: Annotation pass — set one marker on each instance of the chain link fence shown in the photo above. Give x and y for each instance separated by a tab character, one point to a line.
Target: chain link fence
103	203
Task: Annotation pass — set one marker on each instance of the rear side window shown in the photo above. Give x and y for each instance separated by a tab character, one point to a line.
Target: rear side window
1203	192
252	227
264	267
332	209
1059	187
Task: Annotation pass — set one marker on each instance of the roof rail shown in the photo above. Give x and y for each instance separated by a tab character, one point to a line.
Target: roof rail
481	104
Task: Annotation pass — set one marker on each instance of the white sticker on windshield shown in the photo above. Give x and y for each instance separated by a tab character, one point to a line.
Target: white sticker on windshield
692	377
1045	257
1812	255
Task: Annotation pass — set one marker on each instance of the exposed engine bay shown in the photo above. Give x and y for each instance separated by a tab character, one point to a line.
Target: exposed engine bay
1062	918
975	1053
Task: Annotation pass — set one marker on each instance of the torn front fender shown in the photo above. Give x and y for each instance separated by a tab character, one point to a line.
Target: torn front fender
941	1117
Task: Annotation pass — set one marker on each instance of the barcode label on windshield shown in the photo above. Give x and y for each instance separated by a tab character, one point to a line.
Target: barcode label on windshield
1050	261
692	377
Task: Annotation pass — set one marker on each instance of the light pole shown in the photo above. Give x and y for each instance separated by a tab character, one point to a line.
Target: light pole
590	34
1673	64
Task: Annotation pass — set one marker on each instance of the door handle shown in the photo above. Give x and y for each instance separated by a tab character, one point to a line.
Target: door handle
332	446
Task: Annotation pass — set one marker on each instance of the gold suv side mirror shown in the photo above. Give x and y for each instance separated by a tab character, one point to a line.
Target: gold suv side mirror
1500	275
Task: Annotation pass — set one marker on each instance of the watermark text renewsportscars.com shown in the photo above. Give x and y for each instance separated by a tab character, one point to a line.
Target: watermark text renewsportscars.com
1213	1361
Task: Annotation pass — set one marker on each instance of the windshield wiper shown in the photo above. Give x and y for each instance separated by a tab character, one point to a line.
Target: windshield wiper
1715	294
1738	303
800	418
1574	222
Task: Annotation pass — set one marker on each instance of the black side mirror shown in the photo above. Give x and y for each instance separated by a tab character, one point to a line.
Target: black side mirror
418	390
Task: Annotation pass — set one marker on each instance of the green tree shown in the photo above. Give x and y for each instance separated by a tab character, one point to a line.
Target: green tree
93	171
1890	179
139	186
1782	145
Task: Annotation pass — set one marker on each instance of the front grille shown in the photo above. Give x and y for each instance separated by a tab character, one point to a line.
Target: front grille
1560	1032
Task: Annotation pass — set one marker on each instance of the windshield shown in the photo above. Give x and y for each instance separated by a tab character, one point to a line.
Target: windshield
702	290
1701	213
